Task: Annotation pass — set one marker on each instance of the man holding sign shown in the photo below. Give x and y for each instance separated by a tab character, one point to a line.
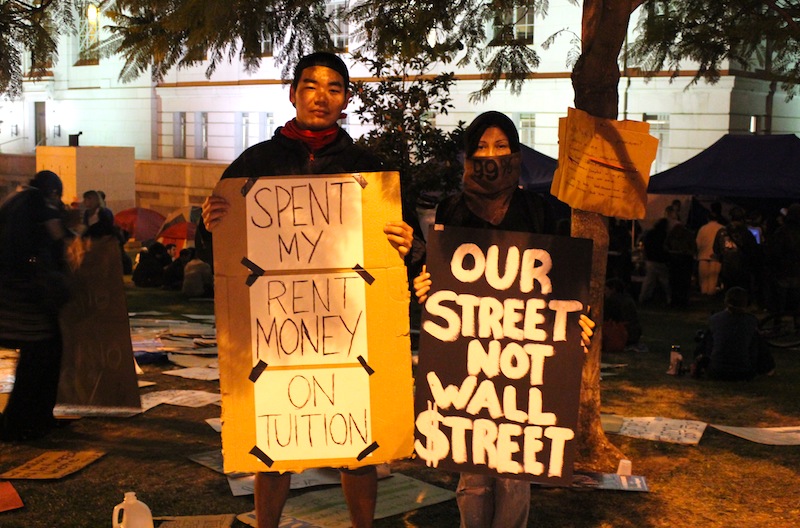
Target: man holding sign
311	143
493	333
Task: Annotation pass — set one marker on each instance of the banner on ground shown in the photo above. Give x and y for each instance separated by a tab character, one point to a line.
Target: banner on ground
498	383
312	323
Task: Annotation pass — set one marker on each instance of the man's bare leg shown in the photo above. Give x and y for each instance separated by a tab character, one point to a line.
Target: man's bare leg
360	487
270	494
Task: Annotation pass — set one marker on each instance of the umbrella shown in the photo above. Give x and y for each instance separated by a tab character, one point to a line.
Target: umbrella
188	213
140	223
178	231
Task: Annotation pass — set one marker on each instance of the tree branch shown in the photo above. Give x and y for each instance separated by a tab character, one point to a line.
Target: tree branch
785	15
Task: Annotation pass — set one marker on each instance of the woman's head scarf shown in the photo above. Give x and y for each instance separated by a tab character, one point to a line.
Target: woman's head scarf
489	182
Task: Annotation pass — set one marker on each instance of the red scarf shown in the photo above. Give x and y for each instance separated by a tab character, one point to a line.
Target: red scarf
314	139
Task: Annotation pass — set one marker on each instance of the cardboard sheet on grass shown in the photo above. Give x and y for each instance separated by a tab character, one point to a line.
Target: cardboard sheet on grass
224	520
655	428
499	375
312	323
325	508
603	164
98	375
53	465
764	435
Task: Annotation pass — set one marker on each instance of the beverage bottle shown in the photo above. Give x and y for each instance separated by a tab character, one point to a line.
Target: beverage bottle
135	513
675	361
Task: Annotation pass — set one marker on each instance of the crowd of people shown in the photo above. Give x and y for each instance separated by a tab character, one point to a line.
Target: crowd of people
719	252
748	259
162	266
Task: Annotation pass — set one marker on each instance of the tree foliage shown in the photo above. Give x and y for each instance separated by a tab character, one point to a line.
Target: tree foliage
400	109
35	27
761	36
157	35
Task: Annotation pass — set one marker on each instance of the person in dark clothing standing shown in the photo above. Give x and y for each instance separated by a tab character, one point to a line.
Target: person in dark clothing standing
656	259
738	251
783	258
33	289
311	143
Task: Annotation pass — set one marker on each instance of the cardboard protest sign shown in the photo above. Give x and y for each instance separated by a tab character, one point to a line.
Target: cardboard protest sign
53	465
98	375
603	164
498	382
312	323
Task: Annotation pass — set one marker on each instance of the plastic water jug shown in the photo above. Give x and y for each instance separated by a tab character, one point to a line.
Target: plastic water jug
135	514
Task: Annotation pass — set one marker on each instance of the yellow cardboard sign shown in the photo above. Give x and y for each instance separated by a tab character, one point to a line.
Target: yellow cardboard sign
312	323
53	465
603	165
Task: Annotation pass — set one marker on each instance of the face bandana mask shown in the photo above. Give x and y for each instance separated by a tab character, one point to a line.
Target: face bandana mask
489	184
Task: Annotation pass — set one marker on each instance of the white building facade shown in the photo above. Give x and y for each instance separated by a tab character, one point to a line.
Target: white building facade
189	116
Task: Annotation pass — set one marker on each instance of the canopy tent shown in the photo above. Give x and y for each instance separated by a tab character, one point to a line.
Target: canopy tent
537	170
737	166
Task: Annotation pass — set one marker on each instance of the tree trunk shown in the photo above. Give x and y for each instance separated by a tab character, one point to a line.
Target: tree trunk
595	79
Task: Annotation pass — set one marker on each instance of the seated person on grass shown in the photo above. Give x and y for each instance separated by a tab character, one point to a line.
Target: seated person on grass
732	349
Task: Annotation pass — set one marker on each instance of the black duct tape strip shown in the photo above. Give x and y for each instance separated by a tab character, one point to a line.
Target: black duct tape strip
247	186
367	450
257	370
360	180
369	279
366	366
256	271
262	456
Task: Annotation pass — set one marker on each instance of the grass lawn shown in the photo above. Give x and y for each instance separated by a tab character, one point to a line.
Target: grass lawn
724	481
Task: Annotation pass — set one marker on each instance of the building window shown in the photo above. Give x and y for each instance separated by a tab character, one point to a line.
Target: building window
252	128
179	135
659	128
527	129
336	10
88	34
201	135
513	25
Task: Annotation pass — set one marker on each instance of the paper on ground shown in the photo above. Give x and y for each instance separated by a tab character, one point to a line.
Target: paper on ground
663	429
215	423
249	519
197	521
200	317
326	508
765	435
185	398
198	373
192	360
609	481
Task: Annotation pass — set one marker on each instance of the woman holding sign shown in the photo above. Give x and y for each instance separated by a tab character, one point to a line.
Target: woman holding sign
491	199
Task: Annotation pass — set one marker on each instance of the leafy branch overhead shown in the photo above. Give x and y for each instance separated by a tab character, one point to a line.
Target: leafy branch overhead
758	36
34	27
